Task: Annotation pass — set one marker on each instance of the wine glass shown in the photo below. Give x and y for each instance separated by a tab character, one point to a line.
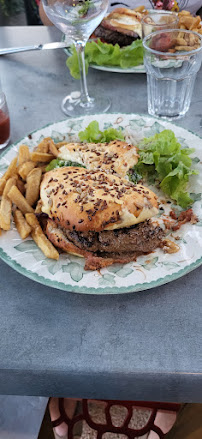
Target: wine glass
78	19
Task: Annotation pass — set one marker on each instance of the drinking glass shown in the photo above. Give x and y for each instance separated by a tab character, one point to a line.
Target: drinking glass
172	59
4	122
158	20
77	19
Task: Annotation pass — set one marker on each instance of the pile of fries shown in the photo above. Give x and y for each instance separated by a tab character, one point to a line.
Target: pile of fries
186	20
20	192
184	42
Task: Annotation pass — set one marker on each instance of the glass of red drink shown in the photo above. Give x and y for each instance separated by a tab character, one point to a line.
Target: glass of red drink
4	122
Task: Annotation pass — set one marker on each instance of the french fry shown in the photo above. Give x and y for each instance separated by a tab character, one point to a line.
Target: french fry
38	207
45	245
20	185
17	198
2	185
11	182
53	150
33	186
22	226
139	9
42	157
5	214
184	12
38	236
33	222
185	48
44	146
42	166
23	154
12	169
25	169
6	205
181	42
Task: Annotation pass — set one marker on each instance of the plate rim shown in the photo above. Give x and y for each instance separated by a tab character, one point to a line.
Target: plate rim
90	290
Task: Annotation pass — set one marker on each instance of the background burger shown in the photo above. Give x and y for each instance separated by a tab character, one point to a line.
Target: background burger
99	216
122	26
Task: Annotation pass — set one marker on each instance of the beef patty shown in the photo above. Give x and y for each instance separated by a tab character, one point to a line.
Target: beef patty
141	238
115	37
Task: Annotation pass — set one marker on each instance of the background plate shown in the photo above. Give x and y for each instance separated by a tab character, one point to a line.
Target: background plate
114	69
148	271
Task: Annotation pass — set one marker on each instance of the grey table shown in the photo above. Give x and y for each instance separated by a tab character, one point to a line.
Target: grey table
141	346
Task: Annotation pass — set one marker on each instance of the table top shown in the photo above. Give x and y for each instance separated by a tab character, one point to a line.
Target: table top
140	346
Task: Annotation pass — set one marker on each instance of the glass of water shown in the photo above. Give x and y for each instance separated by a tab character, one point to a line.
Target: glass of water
77	19
158	20
172	59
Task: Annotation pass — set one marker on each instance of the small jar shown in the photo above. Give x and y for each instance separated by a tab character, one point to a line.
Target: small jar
4	121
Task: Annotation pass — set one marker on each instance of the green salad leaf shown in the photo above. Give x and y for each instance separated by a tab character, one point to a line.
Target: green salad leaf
93	134
59	163
104	54
162	157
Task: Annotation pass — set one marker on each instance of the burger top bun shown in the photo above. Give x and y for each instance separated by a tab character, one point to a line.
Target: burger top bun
124	20
79	199
115	156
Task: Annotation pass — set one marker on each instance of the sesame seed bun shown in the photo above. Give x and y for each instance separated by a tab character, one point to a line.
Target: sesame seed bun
82	200
113	157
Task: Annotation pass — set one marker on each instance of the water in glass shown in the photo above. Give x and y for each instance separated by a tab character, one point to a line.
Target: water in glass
170	75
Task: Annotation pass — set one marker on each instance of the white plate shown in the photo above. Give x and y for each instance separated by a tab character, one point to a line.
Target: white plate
148	271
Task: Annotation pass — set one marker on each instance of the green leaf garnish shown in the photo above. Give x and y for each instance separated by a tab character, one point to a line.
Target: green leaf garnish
162	157
59	163
134	176
93	134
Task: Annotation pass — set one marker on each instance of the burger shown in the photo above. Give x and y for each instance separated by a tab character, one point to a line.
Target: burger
99	216
122	26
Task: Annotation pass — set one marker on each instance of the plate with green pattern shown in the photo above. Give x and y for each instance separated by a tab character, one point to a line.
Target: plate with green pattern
147	271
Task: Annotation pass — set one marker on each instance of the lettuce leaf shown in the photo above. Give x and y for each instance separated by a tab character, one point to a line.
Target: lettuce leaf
59	163
92	134
104	54
162	157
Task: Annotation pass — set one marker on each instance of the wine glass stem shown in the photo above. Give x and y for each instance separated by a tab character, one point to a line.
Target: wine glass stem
80	48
